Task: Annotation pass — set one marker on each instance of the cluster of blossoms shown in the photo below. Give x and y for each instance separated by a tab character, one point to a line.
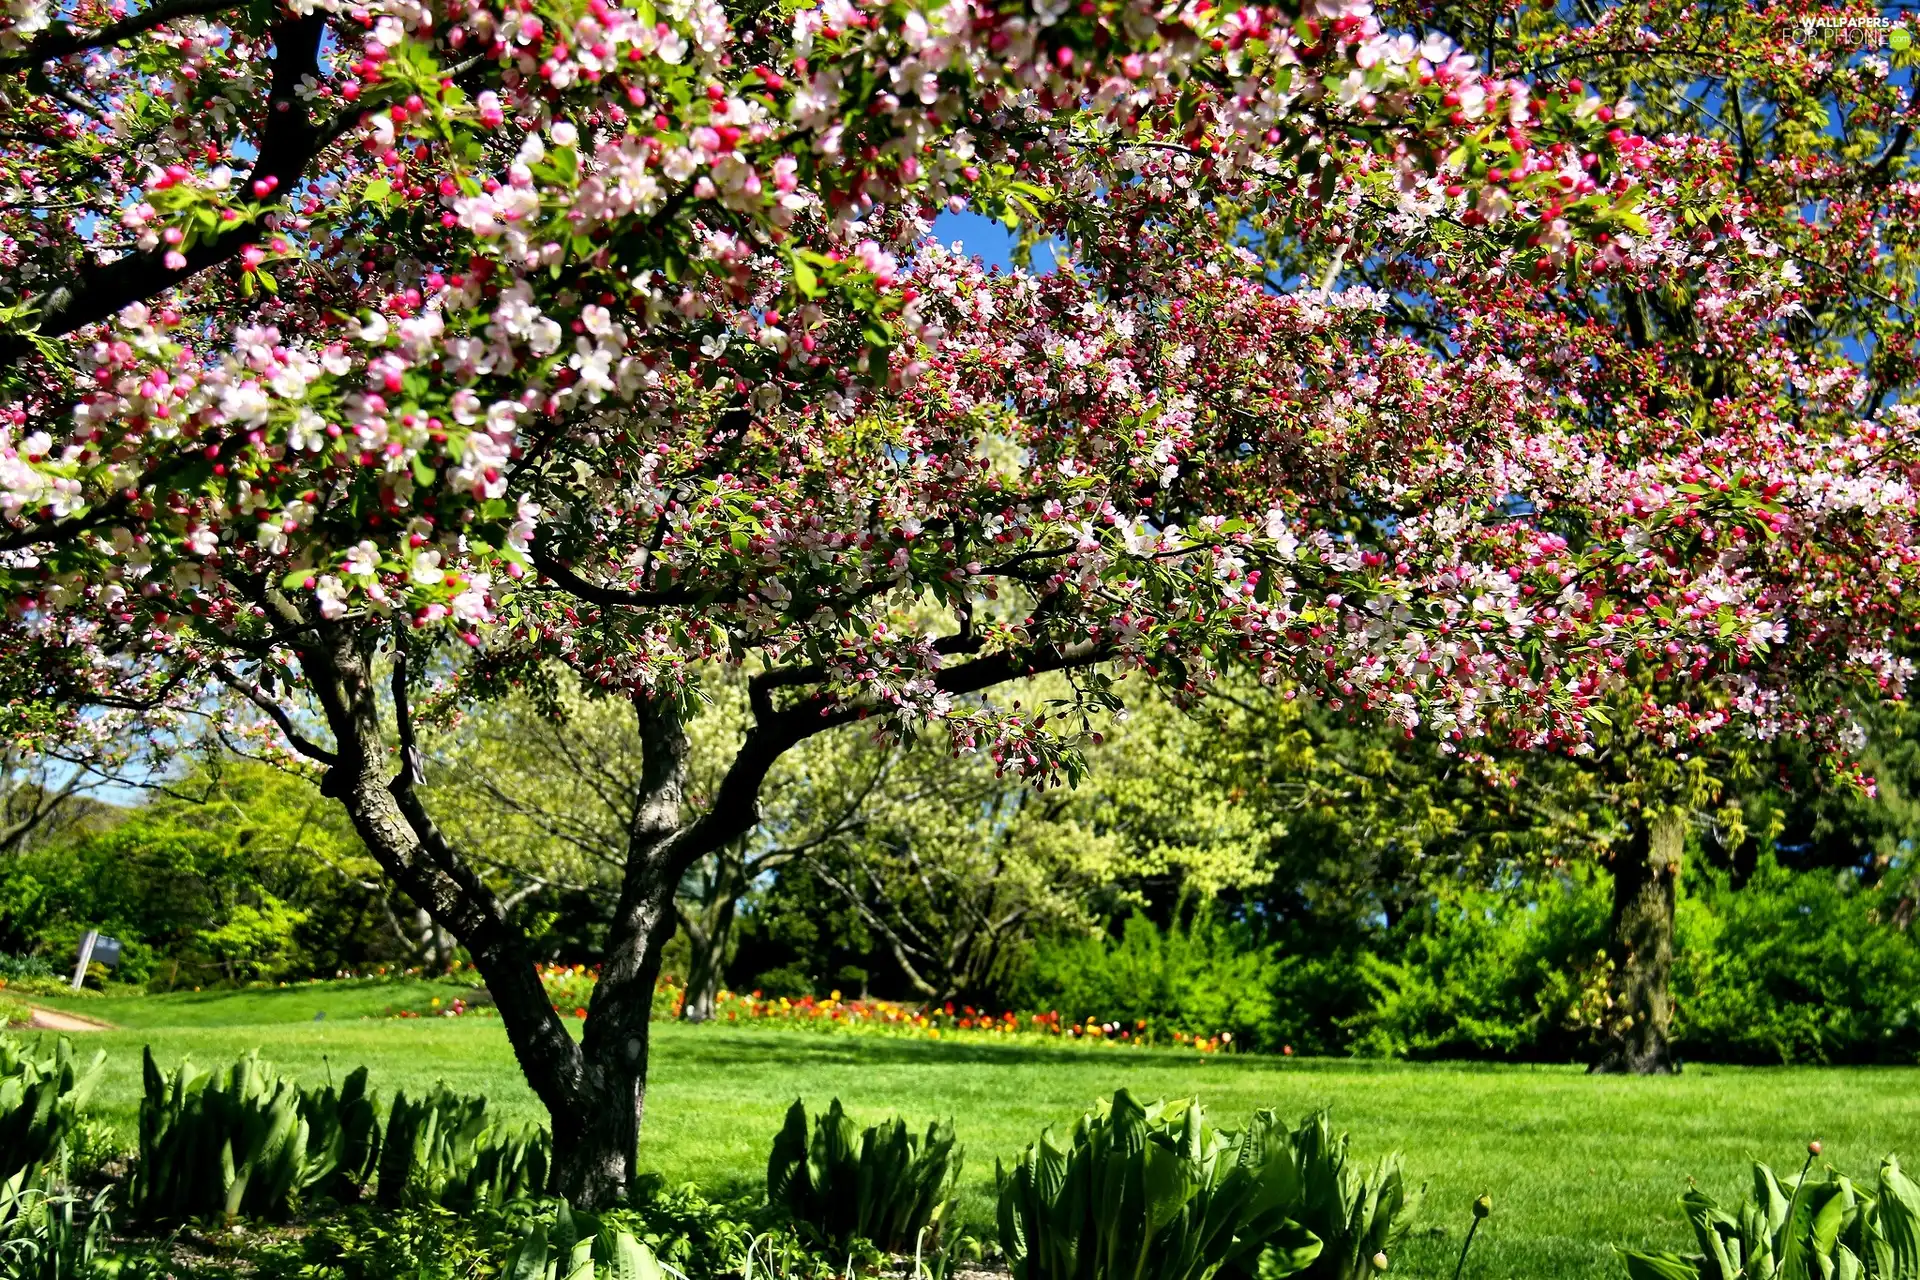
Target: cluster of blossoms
659	367
360	351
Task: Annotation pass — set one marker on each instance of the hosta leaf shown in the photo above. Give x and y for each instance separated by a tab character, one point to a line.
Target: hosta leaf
1661	1266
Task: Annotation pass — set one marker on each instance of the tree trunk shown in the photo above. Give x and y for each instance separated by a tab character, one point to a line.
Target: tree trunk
1645	876
708	919
394	826
594	1090
594	1145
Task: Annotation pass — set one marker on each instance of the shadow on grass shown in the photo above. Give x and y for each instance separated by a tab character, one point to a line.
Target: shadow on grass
310	990
718	1043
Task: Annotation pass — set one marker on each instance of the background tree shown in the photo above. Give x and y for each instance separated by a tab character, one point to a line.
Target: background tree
546	791
1661	360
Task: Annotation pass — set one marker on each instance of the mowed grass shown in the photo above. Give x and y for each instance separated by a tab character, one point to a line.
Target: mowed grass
254	1006
1575	1164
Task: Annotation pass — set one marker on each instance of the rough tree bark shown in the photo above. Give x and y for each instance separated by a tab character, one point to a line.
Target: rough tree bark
1646	875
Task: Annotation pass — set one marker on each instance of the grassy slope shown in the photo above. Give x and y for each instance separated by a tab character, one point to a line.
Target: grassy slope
353	998
1575	1164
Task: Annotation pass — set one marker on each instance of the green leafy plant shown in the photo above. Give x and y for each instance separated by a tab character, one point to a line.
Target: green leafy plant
48	1233
687	1231
884	1185
443	1149
244	1141
1155	1193
1358	1214
1814	1225
573	1245
40	1102
343	1130
362	1242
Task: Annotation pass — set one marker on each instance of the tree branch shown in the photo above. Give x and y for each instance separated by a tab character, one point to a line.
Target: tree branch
412	767
288	144
62	41
258	697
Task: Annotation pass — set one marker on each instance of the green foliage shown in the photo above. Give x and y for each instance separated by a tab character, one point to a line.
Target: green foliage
1484	974
422	1242
884	1185
343	1132
1793	1229
1202	978
577	1246
1159	1193
686	1233
40	1102
241	873
1356	1213
244	1141
45	1234
444	1149
1798	966
1789	966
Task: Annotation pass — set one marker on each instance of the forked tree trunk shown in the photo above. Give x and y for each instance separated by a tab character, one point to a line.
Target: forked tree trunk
594	1090
596	1139
1646	876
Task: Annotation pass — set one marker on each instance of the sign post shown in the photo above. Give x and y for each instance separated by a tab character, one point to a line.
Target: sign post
86	958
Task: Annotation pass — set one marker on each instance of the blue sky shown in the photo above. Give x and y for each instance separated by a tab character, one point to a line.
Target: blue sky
988	239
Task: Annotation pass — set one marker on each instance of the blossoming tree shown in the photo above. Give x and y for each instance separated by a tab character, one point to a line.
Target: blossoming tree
368	358
1746	92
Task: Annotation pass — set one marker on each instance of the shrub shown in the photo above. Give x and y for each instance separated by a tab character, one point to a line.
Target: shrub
1821	1225
13	966
1484	974
689	1235
688	1232
364	1243
1159	1193
444	1150
1202	978
1796	966
886	1186
792	981
343	1131
574	1244
245	1141
40	1101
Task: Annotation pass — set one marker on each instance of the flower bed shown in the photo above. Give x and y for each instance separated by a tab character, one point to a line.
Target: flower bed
570	991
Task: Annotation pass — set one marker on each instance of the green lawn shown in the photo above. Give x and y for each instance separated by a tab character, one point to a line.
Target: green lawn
1575	1164
254	1006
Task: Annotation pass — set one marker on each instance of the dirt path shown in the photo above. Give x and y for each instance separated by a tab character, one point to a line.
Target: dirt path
54	1020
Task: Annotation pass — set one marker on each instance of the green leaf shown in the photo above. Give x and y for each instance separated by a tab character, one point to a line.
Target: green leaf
806	281
1661	1266
1292	1250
